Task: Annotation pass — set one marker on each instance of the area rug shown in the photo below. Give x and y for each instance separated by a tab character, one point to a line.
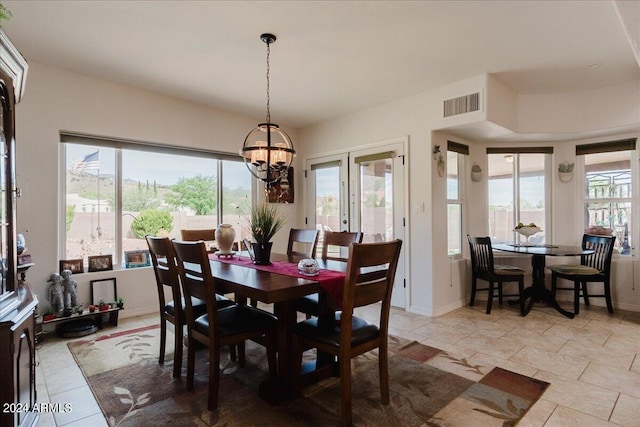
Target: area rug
429	387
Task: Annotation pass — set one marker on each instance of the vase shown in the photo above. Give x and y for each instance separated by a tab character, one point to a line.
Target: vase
262	253
225	236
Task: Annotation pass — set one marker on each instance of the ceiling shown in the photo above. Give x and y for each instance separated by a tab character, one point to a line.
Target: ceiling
331	58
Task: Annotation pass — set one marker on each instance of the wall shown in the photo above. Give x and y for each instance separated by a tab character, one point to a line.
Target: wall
437	283
58	100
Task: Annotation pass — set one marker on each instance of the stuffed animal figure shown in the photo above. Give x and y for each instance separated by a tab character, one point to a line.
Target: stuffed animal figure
70	289
54	294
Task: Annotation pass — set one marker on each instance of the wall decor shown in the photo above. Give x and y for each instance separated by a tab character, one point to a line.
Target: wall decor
75	265
565	171
104	290
437	156
100	263
476	173
281	191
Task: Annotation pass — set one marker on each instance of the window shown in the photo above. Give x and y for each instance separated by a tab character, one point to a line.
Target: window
455	164
518	191
609	197
117	192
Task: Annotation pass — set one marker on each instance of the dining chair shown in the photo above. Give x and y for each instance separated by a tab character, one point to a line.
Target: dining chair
483	268
218	327
309	304
595	267
369	277
302	242
163	260
205	234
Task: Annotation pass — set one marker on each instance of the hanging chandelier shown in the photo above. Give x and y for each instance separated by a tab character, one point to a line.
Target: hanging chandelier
267	150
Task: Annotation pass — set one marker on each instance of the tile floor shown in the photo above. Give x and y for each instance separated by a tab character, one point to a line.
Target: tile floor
592	361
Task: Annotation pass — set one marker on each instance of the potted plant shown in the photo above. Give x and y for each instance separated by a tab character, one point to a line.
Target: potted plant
49	315
92	308
103	306
565	171
120	302
264	223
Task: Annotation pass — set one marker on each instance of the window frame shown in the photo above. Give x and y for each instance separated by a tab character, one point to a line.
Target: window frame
120	145
462	152
547	151
630	145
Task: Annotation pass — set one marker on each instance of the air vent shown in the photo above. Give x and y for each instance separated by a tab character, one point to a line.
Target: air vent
462	104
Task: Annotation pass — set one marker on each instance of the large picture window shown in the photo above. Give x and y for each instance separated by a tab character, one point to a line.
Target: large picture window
116	193
609	194
519	191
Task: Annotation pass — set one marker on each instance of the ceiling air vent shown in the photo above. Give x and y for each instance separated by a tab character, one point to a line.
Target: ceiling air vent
462	104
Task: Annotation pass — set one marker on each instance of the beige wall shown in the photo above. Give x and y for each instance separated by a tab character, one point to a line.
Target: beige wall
58	100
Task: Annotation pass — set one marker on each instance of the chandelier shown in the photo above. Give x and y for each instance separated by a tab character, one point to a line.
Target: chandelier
267	150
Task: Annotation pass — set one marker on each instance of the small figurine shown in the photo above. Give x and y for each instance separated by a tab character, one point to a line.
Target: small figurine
54	294
70	289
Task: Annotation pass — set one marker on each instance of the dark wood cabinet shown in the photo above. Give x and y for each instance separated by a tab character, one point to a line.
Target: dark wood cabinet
17	302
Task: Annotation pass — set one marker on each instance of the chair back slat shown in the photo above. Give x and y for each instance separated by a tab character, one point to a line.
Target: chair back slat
205	234
163	260
481	255
371	270
302	242
197	280
342	239
603	247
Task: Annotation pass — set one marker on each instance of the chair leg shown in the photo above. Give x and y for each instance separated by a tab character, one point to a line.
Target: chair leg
521	295
272	360
473	291
214	378
345	391
576	297
191	360
383	368
163	339
233	355
585	294
607	295
500	293
296	364
490	298
554	284
241	358
177	351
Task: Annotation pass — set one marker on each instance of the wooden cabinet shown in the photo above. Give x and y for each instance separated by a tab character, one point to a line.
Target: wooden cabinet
17	302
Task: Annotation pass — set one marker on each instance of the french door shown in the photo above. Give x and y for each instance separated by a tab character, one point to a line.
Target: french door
363	191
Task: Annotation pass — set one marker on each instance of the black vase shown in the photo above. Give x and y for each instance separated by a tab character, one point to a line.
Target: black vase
262	253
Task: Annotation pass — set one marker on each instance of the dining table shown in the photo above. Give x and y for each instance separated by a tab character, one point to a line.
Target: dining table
538	290
279	284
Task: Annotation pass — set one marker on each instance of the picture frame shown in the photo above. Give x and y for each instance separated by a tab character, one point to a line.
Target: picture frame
75	265
103	290
281	191
100	263
135	259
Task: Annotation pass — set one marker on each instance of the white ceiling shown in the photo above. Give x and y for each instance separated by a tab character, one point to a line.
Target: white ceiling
332	57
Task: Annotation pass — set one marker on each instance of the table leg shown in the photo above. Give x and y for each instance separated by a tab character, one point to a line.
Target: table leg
538	291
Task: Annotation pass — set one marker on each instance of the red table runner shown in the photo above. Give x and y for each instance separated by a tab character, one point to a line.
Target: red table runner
332	282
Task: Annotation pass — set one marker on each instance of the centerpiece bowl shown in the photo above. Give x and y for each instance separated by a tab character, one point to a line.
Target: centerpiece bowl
528	231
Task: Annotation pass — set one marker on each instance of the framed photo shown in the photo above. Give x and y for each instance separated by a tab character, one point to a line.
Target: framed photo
133	259
75	265
104	290
281	191
100	263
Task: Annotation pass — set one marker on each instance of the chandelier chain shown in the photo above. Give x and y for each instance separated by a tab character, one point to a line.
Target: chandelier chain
268	90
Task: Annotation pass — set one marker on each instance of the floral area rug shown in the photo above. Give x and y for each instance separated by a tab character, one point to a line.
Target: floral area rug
429	387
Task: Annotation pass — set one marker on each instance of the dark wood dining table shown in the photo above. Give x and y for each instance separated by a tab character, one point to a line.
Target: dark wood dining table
538	291
272	288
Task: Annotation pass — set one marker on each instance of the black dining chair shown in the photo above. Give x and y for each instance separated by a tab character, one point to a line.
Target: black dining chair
369	278
595	267
219	326
163	260
483	268
331	240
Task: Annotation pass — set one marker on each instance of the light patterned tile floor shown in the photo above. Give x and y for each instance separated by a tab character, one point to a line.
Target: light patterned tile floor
587	387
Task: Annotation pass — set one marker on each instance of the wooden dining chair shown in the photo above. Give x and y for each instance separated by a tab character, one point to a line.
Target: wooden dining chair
231	325
369	277
309	304
302	242
163	260
483	268
595	267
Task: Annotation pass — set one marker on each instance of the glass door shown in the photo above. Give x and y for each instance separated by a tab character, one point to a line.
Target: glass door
377	201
